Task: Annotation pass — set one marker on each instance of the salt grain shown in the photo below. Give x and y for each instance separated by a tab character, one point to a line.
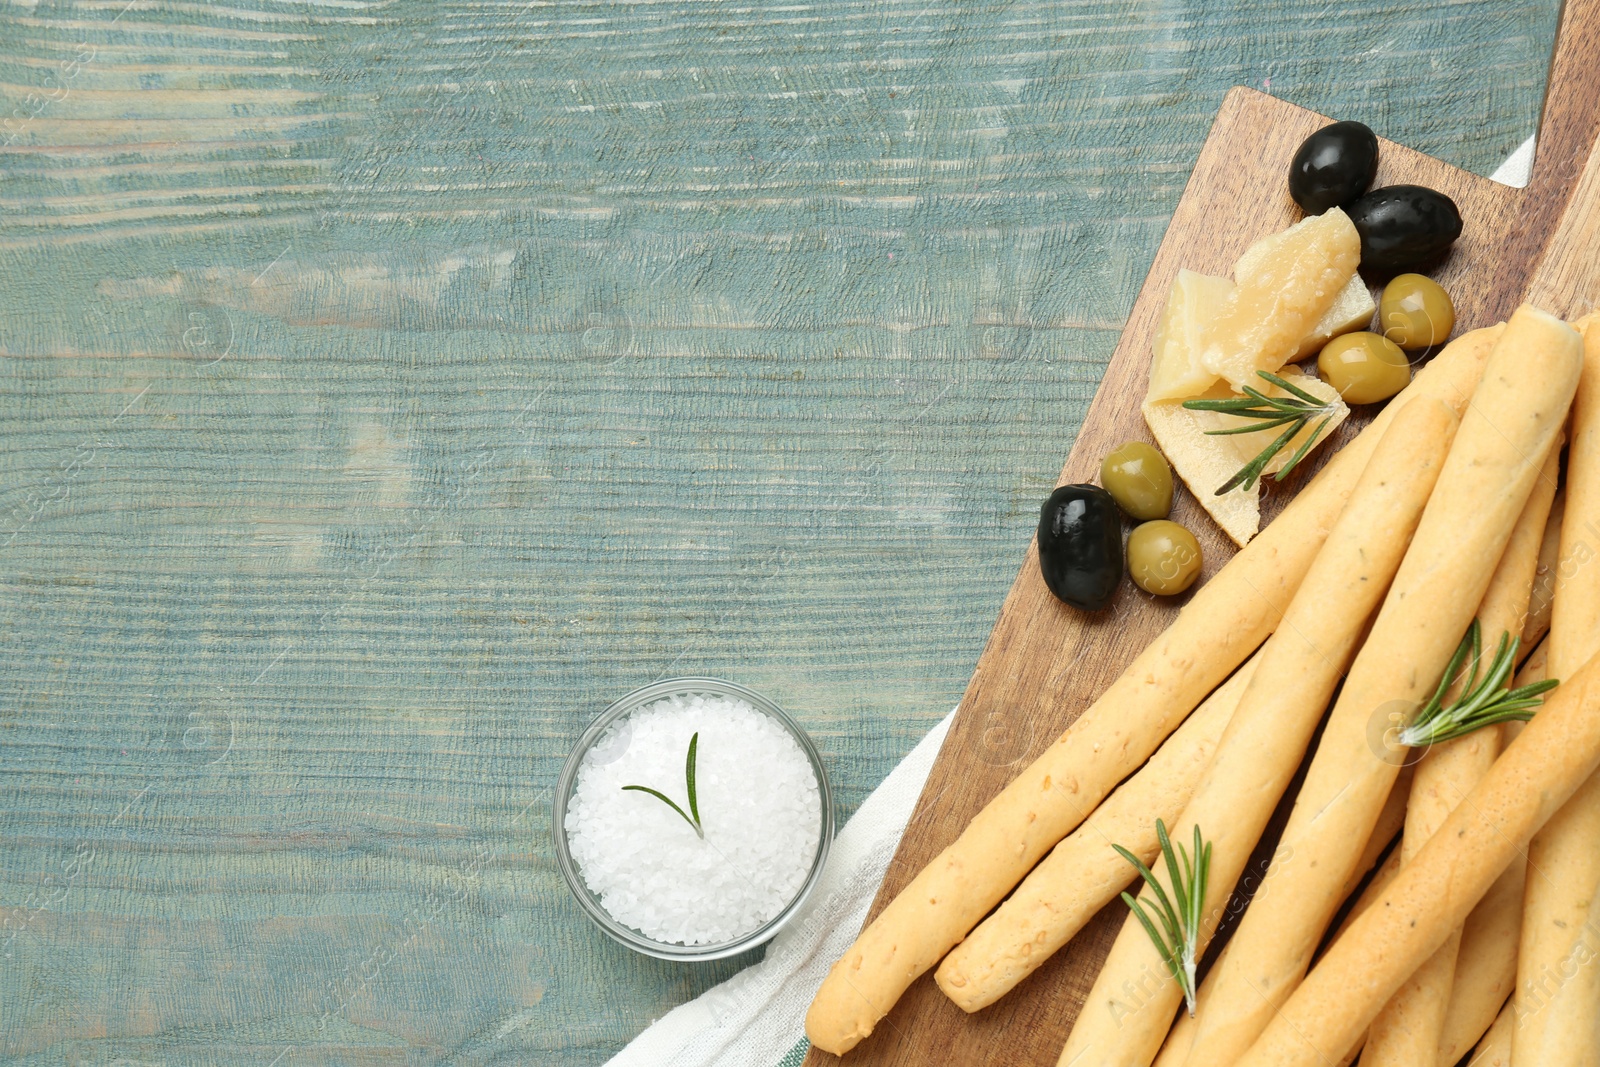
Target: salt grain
760	809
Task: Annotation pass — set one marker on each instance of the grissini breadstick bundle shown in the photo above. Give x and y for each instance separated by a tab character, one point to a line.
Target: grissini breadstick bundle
1508	430
1486	967
1225	620
1082	875
1267	737
1407	1031
1513	421
1416	913
1557	999
1380	861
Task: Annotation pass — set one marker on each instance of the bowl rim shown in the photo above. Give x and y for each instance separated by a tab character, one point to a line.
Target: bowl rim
567	782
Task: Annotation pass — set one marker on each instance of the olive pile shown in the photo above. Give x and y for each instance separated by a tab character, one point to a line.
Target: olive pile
1080	532
1401	226
1414	313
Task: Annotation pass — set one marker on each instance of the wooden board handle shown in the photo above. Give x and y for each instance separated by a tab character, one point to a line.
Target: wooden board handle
1568	116
1563	195
1567	282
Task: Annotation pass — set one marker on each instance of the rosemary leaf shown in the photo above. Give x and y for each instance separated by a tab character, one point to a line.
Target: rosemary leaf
668	801
1284	383
688	779
1300	453
1267	422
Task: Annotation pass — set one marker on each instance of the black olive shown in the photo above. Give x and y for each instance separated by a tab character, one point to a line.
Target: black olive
1404	226
1333	166
1080	545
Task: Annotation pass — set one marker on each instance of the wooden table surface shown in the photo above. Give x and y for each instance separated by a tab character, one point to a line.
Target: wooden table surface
387	386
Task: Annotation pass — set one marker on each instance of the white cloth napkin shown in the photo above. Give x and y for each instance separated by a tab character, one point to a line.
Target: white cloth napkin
1517	168
755	1018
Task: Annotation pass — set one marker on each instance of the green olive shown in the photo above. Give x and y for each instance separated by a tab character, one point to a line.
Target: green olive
1139	480
1415	311
1163	557
1364	367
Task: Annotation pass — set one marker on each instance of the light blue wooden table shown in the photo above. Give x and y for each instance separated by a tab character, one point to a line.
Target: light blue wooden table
389	384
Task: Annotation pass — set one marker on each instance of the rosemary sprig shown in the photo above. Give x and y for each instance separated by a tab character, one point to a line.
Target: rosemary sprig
1483	701
688	781
1178	940
1264	412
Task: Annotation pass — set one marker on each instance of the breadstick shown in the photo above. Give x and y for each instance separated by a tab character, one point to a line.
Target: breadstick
1495	1048
1507	431
1538	772
1267	737
1176	1047
1083	873
1486	967
1390	822
1380	880
1407	1031
1557	1000
1224	621
1544	579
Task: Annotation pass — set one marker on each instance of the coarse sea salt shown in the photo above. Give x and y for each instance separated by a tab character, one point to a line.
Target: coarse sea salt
760	809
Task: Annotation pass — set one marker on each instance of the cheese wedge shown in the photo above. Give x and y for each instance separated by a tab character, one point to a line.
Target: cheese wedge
1205	462
1176	370
1352	311
1284	285
1196	299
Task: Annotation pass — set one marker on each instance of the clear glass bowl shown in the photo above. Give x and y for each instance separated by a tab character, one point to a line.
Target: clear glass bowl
568	782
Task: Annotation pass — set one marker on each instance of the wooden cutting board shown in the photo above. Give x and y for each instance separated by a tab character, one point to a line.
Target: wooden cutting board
1044	662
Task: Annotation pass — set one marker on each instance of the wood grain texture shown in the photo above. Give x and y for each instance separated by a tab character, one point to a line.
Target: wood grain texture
386	385
1044	662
